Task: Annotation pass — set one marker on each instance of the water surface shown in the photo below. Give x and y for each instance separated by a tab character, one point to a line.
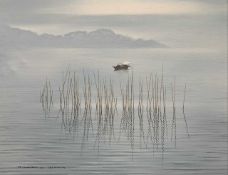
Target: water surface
33	144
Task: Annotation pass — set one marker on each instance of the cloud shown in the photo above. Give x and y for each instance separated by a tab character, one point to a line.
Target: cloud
175	30
35	12
29	6
38	13
104	7
107	7
136	7
160	19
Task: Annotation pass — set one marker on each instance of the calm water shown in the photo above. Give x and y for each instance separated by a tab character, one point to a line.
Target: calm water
32	144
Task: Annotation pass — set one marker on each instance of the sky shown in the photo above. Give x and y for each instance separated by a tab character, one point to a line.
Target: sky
178	23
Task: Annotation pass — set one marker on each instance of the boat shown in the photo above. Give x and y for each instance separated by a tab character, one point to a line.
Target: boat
122	66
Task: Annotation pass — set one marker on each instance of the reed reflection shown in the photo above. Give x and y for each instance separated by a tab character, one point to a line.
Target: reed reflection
96	109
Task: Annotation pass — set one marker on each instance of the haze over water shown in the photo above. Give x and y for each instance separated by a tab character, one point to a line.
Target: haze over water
195	33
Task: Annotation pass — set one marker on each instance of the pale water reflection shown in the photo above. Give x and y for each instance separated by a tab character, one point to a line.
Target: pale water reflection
187	140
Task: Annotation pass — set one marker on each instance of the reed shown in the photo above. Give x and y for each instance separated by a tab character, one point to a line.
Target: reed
127	124
87	119
69	101
106	109
46	98
173	133
183	110
99	108
141	113
88	106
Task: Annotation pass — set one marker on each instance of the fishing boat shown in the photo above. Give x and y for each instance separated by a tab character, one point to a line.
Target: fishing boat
122	66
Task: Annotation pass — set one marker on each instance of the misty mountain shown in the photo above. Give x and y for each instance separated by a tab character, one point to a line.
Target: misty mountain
102	38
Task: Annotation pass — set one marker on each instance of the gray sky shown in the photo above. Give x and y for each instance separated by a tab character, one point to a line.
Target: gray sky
190	23
80	7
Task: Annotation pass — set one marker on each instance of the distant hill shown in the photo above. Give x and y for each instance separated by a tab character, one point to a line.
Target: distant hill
102	38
